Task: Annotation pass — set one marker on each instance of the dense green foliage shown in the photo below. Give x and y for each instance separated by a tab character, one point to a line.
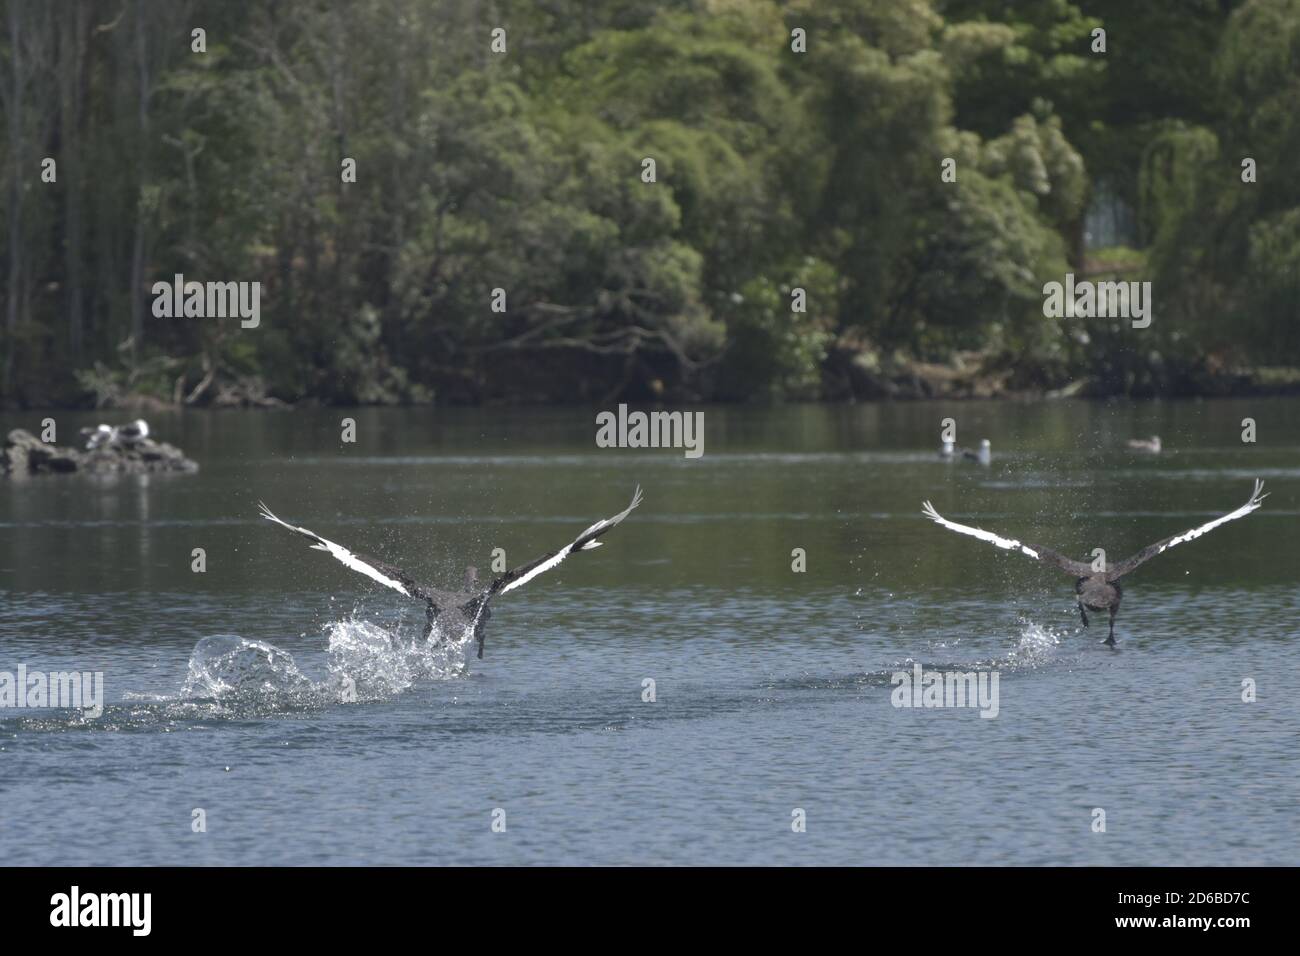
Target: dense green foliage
775	171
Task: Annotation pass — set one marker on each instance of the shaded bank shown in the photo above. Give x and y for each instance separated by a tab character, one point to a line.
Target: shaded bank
858	376
847	375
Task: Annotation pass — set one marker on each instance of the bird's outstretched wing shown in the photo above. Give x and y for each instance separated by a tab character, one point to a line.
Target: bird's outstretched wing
388	576
1150	551
1077	568
583	542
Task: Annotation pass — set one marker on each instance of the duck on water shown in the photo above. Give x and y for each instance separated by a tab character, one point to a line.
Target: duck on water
983	455
1097	591
465	610
1146	446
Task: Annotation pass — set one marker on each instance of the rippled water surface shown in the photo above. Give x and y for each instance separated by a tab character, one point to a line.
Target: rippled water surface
293	703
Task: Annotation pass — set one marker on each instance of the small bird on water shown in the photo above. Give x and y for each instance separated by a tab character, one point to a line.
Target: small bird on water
126	435
1097	590
465	610
1150	446
984	456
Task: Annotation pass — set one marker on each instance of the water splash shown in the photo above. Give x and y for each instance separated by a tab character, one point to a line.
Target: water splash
233	677
1035	644
227	665
377	664
1035	647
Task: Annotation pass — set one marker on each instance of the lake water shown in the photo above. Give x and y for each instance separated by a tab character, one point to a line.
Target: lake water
773	687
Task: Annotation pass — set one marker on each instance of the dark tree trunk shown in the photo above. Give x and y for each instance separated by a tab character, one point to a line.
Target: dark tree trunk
141	213
70	135
13	292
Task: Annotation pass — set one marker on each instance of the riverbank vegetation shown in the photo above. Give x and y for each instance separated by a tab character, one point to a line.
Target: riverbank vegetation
524	171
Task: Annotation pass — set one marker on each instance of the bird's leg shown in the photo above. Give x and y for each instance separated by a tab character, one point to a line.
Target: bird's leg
428	620
1083	614
480	625
1110	638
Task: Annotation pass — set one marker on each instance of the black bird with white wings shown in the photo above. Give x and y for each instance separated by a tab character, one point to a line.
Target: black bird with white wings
465	610
1097	590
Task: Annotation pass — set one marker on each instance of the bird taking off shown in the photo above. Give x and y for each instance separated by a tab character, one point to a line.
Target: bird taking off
1097	590
465	610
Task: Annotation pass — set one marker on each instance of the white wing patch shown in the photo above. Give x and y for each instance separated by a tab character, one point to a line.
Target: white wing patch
1251	505
540	569
559	556
1006	544
342	554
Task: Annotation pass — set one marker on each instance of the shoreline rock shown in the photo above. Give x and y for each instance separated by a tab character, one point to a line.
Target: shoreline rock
24	454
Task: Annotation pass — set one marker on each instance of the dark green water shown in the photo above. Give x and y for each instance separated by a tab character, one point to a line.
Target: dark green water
773	687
